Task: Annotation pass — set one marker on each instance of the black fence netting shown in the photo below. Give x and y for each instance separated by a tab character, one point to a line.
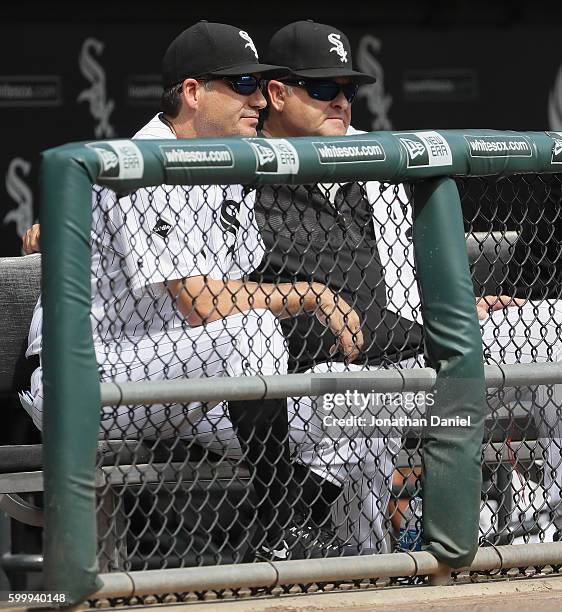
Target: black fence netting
515	226
192	282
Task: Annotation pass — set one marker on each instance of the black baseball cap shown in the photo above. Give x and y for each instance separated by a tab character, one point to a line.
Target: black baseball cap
213	49
314	51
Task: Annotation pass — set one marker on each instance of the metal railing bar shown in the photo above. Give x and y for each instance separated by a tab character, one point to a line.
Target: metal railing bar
295	385
182	580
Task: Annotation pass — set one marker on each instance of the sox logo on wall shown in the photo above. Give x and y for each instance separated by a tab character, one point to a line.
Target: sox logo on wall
378	102
555	103
21	194
96	95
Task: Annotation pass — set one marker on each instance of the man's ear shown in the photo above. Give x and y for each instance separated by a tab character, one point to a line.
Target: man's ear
277	92
191	93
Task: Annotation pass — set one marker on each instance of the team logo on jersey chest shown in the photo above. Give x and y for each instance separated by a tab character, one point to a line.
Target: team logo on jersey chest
162	227
230	209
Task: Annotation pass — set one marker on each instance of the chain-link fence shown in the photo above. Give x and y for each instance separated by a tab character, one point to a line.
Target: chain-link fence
260	280
320	256
348	492
518	217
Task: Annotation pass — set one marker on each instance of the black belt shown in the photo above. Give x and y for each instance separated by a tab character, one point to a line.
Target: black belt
25	369
33	361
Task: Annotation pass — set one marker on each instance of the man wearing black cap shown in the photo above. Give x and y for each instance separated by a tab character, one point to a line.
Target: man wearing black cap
170	299
355	239
211	77
329	233
319	57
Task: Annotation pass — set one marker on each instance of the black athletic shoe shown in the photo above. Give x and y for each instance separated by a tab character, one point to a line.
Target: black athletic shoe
408	580
303	542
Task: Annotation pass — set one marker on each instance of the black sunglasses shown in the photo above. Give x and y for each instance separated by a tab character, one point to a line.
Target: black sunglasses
326	90
245	84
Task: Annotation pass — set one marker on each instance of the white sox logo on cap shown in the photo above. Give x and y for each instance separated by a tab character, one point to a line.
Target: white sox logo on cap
250	42
338	47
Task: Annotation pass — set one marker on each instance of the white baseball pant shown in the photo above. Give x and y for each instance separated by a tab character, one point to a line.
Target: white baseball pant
239	345
364	467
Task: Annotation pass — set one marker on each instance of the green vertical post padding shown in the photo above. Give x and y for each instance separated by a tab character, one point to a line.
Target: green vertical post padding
453	346
70	379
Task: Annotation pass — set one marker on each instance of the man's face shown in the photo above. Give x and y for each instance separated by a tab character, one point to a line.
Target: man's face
304	115
227	112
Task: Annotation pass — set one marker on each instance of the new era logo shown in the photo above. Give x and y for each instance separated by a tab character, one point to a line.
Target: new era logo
162	227
426	149
557	152
277	156
415	149
120	159
109	159
265	154
556	156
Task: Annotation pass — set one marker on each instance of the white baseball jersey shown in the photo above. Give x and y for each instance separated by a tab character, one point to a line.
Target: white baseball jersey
139	242
155	235
392	218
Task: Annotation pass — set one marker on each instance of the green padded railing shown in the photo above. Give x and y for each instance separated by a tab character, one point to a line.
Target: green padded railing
453	343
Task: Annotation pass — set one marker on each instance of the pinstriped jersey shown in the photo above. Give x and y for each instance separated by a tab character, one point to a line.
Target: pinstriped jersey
155	235
392	218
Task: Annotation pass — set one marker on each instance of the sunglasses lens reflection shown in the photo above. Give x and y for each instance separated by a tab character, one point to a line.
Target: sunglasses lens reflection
329	90
244	85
